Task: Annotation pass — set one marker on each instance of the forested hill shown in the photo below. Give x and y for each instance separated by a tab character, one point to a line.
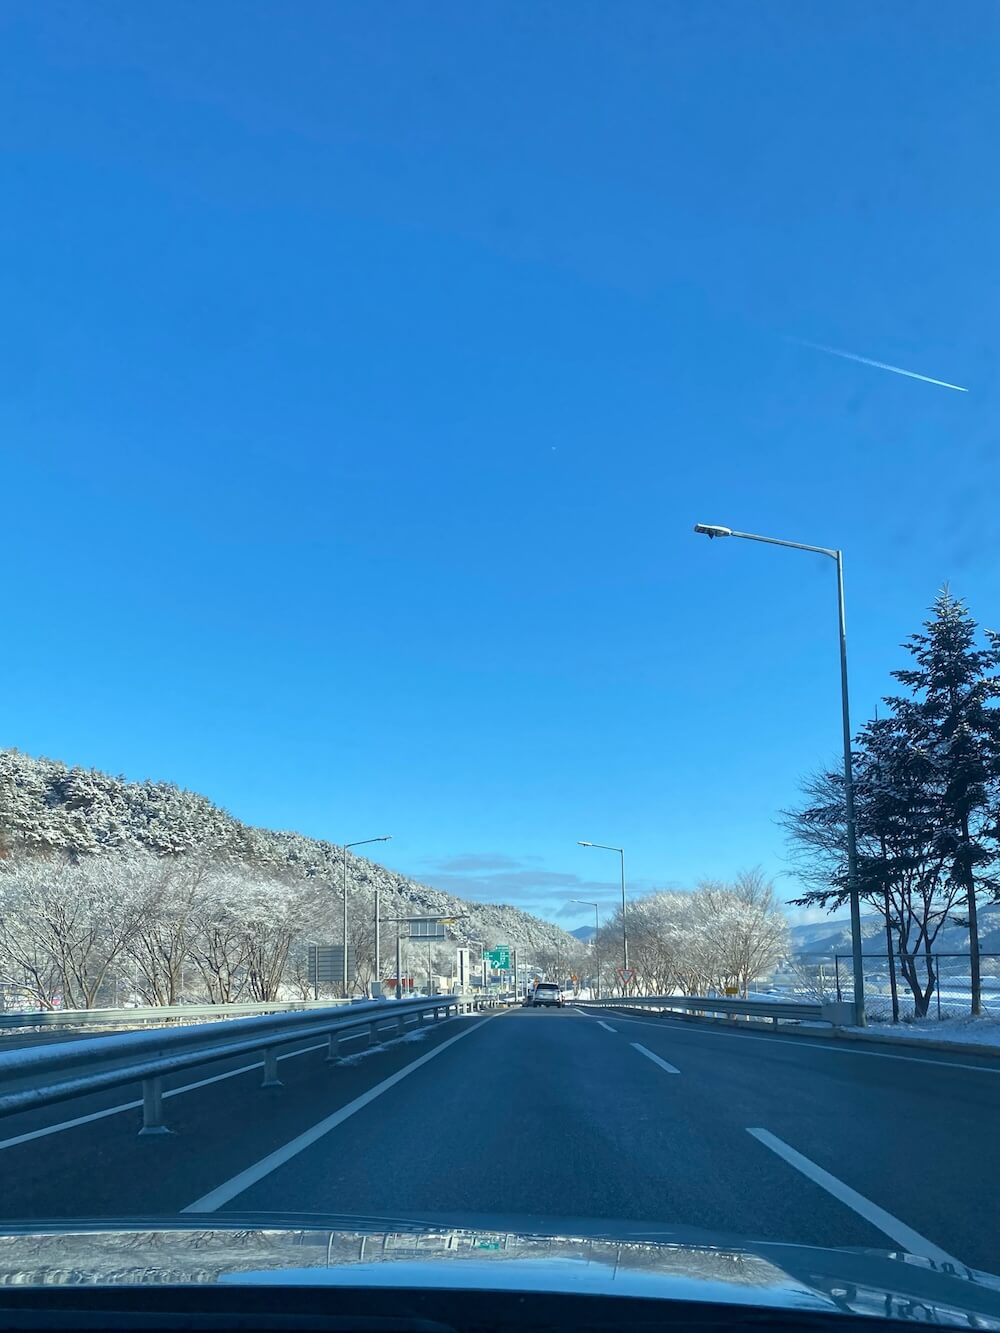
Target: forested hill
46	807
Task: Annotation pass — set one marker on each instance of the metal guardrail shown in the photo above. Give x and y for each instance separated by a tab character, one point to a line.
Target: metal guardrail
157	1013
36	1076
837	1013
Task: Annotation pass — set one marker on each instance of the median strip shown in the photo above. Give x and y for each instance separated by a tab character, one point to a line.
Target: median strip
885	1222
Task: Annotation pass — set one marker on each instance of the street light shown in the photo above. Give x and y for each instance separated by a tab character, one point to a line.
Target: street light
713	530
604	847
597	926
362	843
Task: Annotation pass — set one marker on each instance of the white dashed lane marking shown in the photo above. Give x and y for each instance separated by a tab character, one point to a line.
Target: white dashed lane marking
650	1055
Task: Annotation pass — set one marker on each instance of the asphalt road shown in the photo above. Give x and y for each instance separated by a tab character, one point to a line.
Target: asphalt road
656	1124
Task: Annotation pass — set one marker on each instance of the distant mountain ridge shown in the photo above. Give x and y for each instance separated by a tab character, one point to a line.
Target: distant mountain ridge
834	936
47	807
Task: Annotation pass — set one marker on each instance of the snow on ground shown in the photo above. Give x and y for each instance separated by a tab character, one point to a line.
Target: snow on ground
358	1056
983	1031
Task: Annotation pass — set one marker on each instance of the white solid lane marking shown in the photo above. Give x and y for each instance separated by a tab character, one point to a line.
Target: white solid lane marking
601	1023
885	1222
67	1124
229	1189
671	1069
833	1046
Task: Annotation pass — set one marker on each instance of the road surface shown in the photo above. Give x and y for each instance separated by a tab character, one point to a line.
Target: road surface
662	1125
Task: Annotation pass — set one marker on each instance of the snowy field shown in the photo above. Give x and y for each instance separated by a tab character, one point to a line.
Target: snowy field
983	1031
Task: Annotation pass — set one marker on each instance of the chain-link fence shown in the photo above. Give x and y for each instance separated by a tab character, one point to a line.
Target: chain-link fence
932	986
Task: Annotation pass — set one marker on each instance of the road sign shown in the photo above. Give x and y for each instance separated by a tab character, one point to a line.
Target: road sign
500	957
427	928
326	964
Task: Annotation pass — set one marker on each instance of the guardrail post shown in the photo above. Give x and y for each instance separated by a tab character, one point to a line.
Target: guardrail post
152	1107
401	1025
332	1048
270	1079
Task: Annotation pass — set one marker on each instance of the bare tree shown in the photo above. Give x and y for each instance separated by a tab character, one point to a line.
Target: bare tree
172	889
744	928
64	925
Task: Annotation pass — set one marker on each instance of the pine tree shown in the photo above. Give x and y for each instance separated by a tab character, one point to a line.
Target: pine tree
951	726
900	864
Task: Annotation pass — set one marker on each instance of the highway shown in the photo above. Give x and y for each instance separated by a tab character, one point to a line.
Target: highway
656	1125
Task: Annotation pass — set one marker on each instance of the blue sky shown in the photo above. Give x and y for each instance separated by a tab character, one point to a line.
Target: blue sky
365	366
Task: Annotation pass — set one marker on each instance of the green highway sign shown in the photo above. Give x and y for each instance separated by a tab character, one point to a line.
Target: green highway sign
500	957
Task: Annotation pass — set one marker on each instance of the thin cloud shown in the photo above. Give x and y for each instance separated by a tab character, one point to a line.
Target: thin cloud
509	886
480	861
879	365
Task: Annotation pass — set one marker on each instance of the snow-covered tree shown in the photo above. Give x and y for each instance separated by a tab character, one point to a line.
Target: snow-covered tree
162	945
63	926
721	935
225	909
742	929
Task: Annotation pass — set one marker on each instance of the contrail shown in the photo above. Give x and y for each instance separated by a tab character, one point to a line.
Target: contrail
879	365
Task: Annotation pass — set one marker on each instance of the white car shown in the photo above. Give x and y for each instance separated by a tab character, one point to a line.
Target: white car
547	992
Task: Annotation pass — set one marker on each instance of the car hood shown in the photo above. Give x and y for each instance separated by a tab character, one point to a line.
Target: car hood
613	1259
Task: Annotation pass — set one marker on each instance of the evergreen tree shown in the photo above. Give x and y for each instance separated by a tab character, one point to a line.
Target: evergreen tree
951	726
900	864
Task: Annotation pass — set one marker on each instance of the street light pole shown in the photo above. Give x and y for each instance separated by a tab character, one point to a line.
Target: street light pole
712	530
363	842
605	847
584	902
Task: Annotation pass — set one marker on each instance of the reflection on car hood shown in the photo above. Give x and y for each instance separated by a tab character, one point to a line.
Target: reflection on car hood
620	1261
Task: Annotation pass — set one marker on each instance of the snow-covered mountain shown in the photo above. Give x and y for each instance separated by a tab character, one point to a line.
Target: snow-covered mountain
834	936
47	807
